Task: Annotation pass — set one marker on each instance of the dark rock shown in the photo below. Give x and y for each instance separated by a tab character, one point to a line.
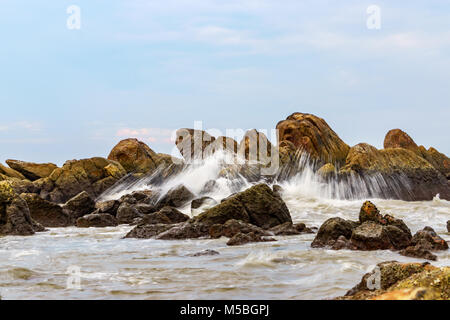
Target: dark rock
448	225
257	205
202	204
398	237
371	236
278	190
109	206
79	205
243	238
369	212
147	231
176	197
186	230
428	235
343	243
331	230
209	187
233	227
174	215
98	220
145	208
286	229
127	213
207	252
418	251
46	213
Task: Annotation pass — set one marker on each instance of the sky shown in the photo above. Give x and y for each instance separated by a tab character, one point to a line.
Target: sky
144	68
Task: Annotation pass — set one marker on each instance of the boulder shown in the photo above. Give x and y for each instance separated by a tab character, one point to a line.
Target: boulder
6	173
45	212
232	227
244	238
109	206
397	138
369	212
147	231
145	208
418	251
127	213
327	171
406	175
176	197
91	175
193	144
15	218
186	230
258	205
224	144
312	135
200	204
430	237
288	229
79	206
97	220
135	156
32	171
209	187
371	236
331	230
166	215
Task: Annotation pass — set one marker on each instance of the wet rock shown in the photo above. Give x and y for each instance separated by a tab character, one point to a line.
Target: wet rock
15	218
343	243
369	212
202	204
209	187
145	196
45	212
331	230
418	251
166	215
285	229
223	144
207	252
145	208
327	171
109	206
127	213
312	135
176	197
258	205
135	156
233	227
244	238
301	227
371	236
398	237
79	206
32	171
186	230
147	231
277	190
97	220
429	236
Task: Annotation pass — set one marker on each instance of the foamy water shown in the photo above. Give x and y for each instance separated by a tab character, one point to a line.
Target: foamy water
114	268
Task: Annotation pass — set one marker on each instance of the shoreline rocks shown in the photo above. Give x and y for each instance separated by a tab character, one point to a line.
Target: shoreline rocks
32	171
45	212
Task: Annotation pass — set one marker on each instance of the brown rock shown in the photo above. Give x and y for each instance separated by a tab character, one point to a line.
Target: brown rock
79	206
232	227
371	236
97	220
147	231
193	144
244	238
330	231
32	171
396	138
176	197
45	212
10	173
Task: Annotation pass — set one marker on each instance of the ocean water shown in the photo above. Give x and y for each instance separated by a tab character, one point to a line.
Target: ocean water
48	265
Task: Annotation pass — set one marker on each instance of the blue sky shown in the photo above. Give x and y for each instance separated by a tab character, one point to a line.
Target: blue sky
145	68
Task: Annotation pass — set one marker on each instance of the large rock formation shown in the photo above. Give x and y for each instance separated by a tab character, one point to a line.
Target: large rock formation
15	218
32	171
93	175
136	157
311	134
408	176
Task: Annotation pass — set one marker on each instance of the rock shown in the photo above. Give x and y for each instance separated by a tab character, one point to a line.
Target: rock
15	218
285	229
97	220
145	208
79	206
209	187
193	144
127	213
371	236
75	176
327	171
10	173
369	212
244	238
343	243
45	212
331	230
207	252
232	227
255	147
186	230
407	175
176	197
147	231
398	237
429	236
32	171
258	205
418	251
223	144
396	138
312	135
166	215
135	156
399	281
110	206
200	204
277	190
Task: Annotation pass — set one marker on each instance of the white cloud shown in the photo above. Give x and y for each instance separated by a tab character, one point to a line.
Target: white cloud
152	135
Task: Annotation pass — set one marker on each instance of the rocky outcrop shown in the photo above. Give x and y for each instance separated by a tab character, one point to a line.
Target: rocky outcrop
15	218
402	281
79	206
136	157
93	175
408	176
32	171
6	173
258	205
97	220
312	135
128	213
45	212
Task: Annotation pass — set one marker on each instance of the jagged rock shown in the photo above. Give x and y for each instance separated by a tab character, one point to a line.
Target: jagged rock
166	215
110	206
97	220
90	175
45	212
371	236
369	212
193	144
201	204
207	252
243	238
79	206
418	179
314	136
147	231
331	230
32	171
176	197
136	157
343	243
127	213
258	205
396	138
145	208
15	218
10	173
232	227
428	235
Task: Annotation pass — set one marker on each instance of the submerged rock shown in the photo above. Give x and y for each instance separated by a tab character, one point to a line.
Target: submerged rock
186	230
289	229
32	171
45	212
97	220
207	252
244	238
429	236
